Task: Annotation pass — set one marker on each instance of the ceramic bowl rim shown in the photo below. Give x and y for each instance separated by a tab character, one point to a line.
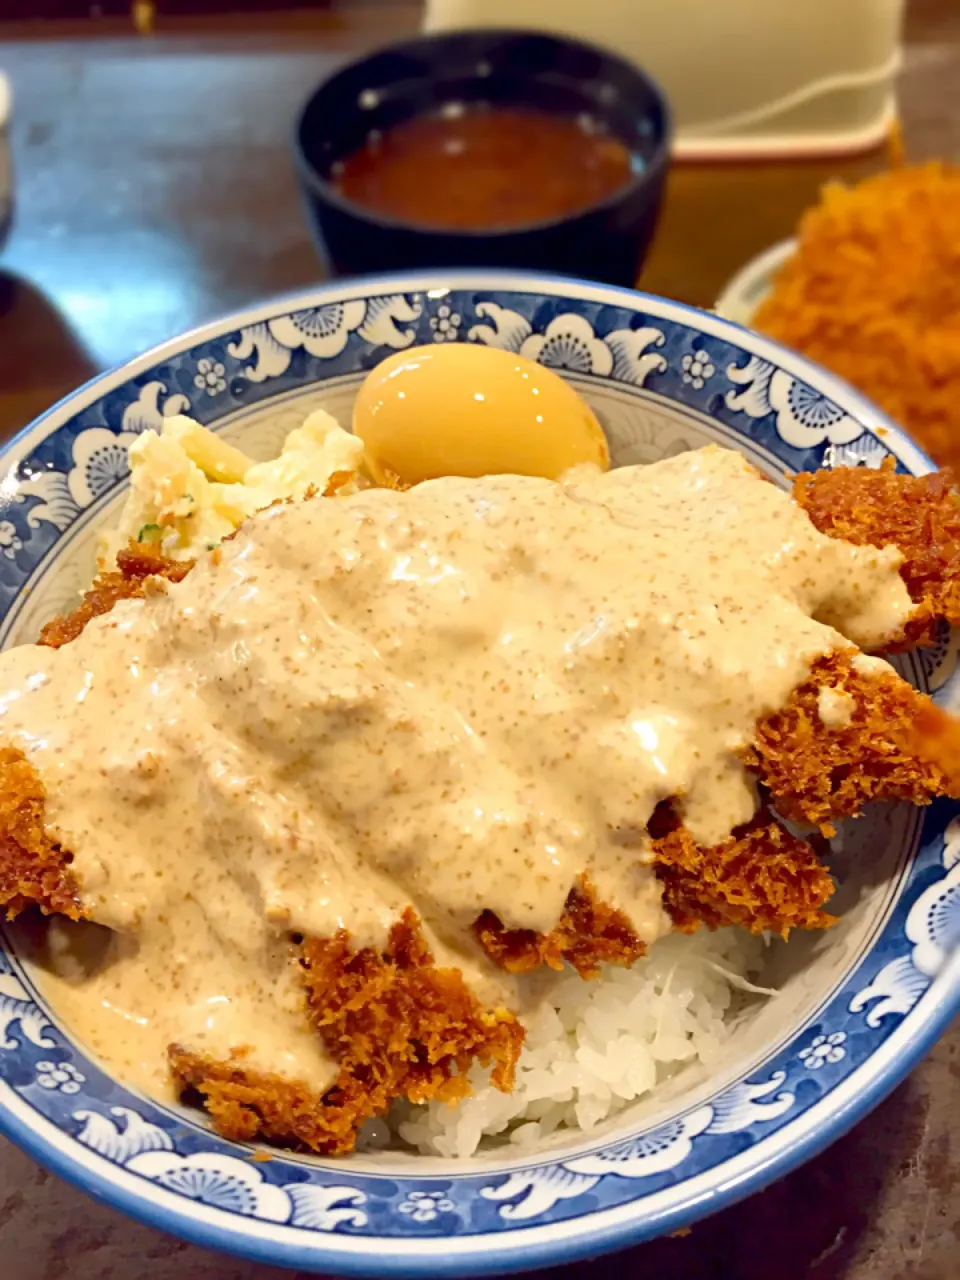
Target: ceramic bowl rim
528	1246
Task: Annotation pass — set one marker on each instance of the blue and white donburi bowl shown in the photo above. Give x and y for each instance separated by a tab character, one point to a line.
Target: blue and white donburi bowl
856	1007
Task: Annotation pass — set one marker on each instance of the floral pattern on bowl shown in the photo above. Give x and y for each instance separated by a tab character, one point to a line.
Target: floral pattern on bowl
662	377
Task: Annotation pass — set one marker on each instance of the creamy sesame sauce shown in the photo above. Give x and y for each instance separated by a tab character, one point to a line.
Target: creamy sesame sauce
835	708
459	698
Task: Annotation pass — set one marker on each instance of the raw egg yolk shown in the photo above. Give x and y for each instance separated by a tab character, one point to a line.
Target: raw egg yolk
462	409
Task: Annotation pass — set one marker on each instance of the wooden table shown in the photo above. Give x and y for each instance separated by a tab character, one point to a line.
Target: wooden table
154	190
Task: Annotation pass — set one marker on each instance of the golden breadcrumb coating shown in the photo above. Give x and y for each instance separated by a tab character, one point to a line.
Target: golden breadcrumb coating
896	746
34	869
396	1025
135	565
762	878
872	292
589	934
918	514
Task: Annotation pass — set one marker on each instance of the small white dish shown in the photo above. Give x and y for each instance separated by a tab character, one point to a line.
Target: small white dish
743	294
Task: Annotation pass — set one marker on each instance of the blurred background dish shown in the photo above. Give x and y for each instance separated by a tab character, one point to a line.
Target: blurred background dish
743	293
871	289
784	90
486	148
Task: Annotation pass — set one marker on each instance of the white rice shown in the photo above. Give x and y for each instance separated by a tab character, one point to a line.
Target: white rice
594	1047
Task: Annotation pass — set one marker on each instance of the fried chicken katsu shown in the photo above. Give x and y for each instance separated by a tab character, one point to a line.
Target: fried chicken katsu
34	868
398	1026
762	878
883	741
396	974
137	565
919	515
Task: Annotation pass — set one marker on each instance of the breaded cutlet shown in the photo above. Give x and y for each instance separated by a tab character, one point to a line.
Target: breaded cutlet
399	1026
588	934
34	868
920	515
897	745
763	878
136	564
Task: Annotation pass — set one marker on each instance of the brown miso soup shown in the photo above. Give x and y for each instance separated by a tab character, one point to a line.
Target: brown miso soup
481	167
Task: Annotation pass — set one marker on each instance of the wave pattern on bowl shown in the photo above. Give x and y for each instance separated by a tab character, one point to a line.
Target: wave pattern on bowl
851	1019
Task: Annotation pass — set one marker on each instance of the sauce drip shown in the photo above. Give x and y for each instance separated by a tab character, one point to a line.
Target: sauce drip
458	697
484	168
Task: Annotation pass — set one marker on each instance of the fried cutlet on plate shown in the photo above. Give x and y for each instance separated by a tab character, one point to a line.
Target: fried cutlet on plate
399	1026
